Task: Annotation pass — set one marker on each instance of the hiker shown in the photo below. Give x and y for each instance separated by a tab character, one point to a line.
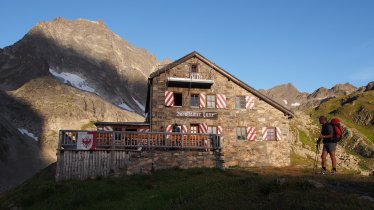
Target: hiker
329	144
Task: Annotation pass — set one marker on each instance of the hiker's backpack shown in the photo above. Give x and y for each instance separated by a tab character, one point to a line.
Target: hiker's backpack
338	131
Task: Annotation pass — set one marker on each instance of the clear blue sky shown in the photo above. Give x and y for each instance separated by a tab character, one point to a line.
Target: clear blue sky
264	43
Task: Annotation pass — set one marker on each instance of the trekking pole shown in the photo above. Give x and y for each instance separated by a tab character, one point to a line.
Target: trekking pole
316	159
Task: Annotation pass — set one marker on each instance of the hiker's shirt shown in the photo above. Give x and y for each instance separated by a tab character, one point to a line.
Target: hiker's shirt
327	129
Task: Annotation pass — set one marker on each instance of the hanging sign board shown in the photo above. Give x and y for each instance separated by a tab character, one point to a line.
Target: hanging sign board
192	114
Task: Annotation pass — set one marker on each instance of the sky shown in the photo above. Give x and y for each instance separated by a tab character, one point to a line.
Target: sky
309	43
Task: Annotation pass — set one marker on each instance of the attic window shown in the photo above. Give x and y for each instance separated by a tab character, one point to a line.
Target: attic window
194	68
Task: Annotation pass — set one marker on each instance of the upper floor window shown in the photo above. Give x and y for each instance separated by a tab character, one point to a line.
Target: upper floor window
194	100
271	134
240	102
178	99
211	101
241	133
194	68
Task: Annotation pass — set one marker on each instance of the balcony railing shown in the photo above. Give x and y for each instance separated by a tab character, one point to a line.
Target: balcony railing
125	140
186	78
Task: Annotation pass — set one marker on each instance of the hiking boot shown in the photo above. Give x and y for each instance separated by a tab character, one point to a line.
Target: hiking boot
333	173
323	172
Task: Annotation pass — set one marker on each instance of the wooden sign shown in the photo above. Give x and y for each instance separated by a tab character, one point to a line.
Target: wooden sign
192	114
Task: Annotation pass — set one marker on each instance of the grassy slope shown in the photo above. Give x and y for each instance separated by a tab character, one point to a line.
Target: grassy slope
197	189
346	112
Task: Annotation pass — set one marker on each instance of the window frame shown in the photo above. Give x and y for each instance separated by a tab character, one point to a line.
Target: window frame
242	138
274	134
174	93
207	101
198	100
215	127
192	67
197	128
241	100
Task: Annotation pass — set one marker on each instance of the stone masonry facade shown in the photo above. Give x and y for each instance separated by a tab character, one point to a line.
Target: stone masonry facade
235	152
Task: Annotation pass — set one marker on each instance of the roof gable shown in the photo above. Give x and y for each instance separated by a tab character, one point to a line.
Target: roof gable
226	74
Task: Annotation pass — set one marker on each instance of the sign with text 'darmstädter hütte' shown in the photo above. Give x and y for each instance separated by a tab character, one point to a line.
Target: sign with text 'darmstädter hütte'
86	141
192	114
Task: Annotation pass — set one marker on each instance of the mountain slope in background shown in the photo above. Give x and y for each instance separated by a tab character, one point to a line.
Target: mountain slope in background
115	70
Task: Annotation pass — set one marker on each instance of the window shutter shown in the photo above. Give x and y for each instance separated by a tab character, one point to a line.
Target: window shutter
169	98
143	130
279	134
221	101
249	102
202	99
219	130
251	133
264	133
184	129
203	127
169	128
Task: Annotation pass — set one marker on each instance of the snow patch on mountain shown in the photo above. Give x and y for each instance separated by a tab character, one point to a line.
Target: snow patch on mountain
285	101
295	104
126	107
27	133
73	79
139	104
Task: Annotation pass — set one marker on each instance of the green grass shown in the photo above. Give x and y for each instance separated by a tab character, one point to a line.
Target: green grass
88	126
346	112
196	189
306	140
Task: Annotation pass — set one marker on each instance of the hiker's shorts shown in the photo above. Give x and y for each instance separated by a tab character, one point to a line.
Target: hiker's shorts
329	147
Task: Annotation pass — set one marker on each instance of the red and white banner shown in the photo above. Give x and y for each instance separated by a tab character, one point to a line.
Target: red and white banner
251	133
86	141
202	99
169	98
264	133
221	101
219	130
203	127
279	134
249	102
143	130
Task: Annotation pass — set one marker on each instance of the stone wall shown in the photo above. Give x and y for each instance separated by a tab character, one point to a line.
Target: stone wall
235	152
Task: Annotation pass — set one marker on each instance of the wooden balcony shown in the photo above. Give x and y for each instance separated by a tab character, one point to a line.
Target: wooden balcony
125	140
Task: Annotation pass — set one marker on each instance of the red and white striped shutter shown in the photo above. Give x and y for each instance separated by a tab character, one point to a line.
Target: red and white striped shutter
203	127
143	130
184	129
221	101
108	128
219	130
250	102
264	133
169	129
169	98
279	134
251	133
202	99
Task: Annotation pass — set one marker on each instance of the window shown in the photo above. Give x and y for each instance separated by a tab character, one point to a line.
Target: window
212	129
178	99
240	102
211	101
241	133
194	100
270	134
194	128
194	68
